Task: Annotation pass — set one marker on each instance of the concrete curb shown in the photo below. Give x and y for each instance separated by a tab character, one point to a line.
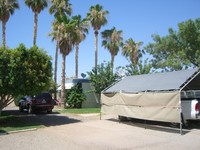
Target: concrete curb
18	131
89	115
25	130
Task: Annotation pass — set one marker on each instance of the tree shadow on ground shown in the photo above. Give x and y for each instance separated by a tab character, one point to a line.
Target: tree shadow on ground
16	119
160	126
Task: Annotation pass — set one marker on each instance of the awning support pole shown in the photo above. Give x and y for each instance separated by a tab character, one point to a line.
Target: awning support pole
100	105
100	113
181	118
181	127
145	122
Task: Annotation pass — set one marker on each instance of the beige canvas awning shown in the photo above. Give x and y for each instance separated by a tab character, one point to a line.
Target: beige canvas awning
150	97
148	106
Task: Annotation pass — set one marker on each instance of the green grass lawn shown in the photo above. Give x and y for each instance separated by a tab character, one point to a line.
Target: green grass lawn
14	123
79	111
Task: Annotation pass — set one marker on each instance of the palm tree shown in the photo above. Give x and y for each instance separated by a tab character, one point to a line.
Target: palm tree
37	6
97	18
112	41
58	8
81	28
7	8
66	42
131	50
55	37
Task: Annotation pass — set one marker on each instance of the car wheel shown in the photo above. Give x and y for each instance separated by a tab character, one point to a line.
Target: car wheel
122	118
20	108
30	110
49	111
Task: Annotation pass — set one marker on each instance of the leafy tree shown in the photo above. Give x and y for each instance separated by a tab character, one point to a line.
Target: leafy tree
180	49
112	40
7	8
102	77
37	6
5	86
131	50
23	72
81	29
135	69
58	8
75	96
31	67
97	18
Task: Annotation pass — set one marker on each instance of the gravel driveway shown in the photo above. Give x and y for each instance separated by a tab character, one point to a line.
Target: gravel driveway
89	133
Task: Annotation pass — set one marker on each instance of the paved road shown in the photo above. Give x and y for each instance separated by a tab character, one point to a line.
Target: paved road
90	133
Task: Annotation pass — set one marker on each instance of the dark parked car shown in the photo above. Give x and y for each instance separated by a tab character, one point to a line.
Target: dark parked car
41	102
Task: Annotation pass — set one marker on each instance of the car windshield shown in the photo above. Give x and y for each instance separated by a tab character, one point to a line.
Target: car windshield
28	97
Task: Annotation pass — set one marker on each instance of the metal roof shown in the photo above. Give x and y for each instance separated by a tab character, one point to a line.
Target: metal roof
71	82
78	80
156	82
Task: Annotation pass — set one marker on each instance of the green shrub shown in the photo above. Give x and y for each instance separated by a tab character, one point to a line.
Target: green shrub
75	96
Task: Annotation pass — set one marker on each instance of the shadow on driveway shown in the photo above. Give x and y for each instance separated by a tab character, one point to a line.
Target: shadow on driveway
17	119
160	126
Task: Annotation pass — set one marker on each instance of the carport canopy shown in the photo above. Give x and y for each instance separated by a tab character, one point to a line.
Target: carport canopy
168	81
150	96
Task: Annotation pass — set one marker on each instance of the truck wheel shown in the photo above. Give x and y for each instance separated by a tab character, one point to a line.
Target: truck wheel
185	123
30	110
20	108
122	118
49	111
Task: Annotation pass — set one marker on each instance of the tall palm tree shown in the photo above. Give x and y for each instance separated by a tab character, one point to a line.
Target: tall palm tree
58	8
7	8
55	33
37	6
112	40
131	50
97	18
81	29
66	43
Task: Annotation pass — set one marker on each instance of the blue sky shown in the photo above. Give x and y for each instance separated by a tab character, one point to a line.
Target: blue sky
138	19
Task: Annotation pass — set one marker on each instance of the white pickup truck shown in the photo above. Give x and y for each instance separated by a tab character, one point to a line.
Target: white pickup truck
190	103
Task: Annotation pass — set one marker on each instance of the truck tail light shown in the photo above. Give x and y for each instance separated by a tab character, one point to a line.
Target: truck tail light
197	107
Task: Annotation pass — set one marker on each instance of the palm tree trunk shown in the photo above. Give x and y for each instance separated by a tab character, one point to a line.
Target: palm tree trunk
4	34
55	69
63	97
76	58
112	62
35	27
96	48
